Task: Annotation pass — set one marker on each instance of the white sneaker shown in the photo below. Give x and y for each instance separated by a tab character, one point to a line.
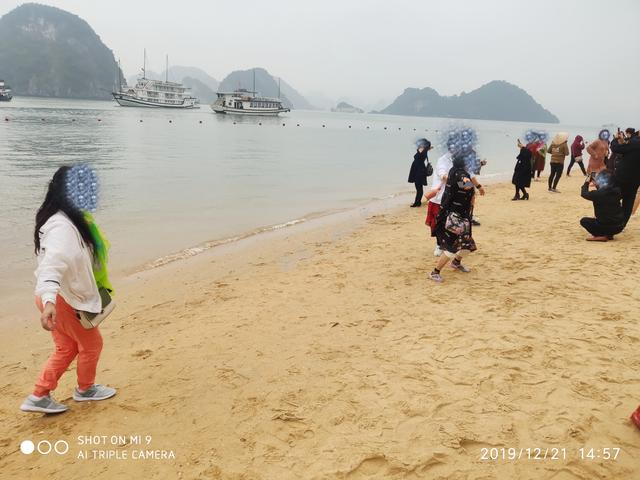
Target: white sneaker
94	392
437	252
44	404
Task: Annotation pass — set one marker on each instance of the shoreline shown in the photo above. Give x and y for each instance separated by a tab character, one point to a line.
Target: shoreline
16	300
323	351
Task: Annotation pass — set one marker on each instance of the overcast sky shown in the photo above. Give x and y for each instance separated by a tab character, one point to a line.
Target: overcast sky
579	59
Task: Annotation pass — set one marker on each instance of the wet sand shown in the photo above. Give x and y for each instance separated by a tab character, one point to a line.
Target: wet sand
325	352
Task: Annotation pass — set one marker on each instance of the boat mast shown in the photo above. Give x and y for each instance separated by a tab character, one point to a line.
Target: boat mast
166	71
144	65
119	77
254	81
278	88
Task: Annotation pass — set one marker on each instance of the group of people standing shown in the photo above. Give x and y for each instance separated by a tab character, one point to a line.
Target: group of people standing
612	180
612	175
531	162
532	158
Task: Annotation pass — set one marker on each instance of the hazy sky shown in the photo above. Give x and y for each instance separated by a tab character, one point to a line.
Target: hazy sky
577	58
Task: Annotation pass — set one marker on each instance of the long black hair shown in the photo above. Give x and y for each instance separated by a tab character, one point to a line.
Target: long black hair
56	201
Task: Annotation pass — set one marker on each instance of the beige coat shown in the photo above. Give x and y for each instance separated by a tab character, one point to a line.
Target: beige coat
558	152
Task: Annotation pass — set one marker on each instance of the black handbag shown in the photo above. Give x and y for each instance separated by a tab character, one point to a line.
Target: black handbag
429	169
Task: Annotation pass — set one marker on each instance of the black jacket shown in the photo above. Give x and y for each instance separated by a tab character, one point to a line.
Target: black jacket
628	160
418	172
456	198
606	204
522	172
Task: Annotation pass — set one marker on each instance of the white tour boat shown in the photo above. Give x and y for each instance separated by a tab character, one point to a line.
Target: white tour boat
155	93
5	92
245	102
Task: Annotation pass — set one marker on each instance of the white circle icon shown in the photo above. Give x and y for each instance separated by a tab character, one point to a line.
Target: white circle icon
60	450
27	447
41	450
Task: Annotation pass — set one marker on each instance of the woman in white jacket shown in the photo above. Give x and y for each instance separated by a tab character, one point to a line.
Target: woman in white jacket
67	245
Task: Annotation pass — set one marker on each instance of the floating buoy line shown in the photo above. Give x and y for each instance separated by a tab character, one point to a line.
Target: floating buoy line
259	124
8	119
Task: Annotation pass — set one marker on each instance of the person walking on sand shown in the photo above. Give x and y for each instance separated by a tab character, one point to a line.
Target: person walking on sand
576	155
606	197
72	255
627	147
434	197
558	150
598	152
521	173
453	225
419	171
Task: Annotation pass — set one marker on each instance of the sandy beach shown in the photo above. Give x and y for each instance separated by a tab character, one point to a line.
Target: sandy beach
323	351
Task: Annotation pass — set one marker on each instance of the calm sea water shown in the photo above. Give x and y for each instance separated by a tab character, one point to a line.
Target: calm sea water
173	179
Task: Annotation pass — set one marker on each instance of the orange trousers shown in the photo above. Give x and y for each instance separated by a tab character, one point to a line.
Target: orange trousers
71	339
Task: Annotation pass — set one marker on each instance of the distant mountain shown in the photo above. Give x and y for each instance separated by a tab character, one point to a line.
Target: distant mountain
265	85
377	105
296	98
319	100
45	51
199	90
346	108
178	73
497	100
150	74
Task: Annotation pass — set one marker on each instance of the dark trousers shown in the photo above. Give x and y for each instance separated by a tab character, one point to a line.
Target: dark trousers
556	173
419	193
573	160
597	229
629	191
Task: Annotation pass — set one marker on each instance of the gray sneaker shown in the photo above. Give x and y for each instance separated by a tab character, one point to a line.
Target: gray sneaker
436	277
94	392
44	404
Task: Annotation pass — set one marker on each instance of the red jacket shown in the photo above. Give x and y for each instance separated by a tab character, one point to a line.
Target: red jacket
577	146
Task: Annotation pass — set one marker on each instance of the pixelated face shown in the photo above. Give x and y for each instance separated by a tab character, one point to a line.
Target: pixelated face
604	135
82	187
459	139
602	180
533	136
